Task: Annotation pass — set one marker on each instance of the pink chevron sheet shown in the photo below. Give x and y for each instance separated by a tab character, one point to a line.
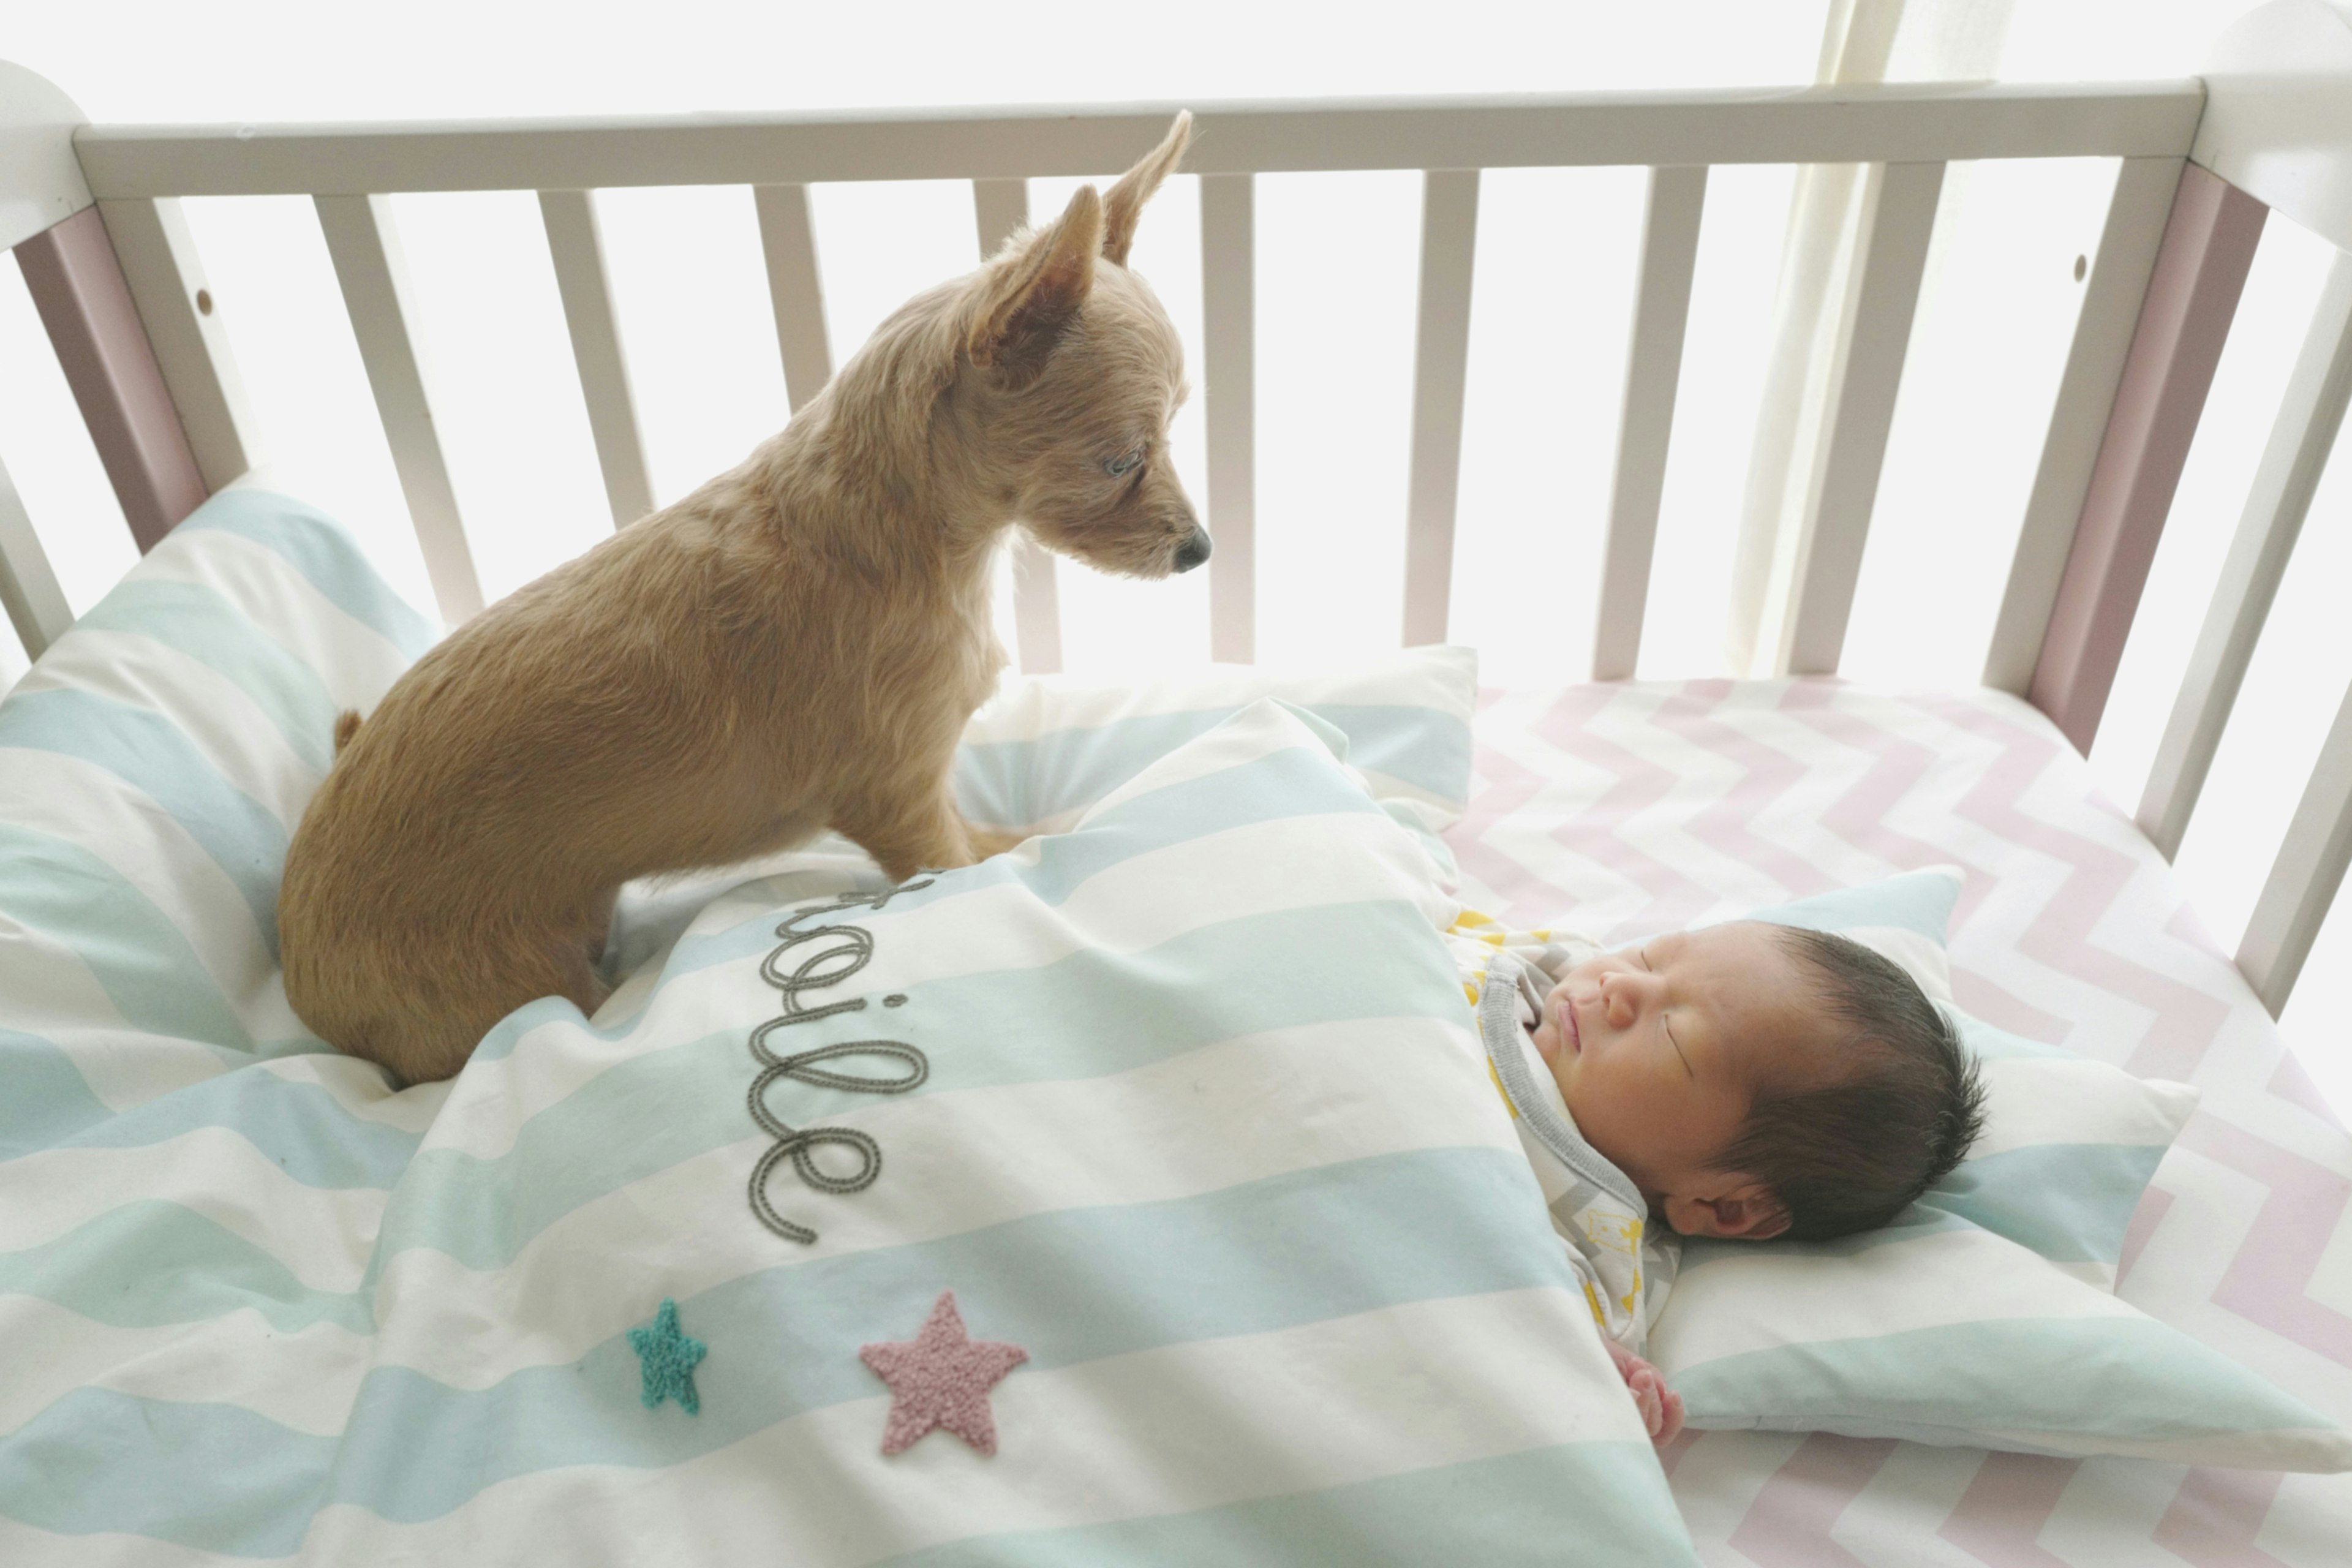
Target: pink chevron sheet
1634	809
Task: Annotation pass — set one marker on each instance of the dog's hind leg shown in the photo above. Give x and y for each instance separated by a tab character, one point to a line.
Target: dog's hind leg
432	1029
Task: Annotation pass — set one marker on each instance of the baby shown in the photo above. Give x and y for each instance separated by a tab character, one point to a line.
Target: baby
1743	1081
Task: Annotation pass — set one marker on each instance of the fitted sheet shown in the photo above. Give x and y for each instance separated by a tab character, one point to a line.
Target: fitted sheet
1638	807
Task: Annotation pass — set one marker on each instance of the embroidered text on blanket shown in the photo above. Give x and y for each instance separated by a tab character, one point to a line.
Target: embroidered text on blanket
846	950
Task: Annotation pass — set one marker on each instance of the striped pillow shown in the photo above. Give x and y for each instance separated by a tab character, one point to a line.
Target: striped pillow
1046	747
152	766
1984	1316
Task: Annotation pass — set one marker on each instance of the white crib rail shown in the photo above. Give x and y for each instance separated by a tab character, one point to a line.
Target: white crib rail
1229	371
789	240
2137	216
1441	369
1679	134
166	278
1904	124
365	248
999	207
577	248
2132	375
1653	372
1898	214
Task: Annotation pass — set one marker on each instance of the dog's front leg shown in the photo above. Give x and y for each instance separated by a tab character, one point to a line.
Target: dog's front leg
920	831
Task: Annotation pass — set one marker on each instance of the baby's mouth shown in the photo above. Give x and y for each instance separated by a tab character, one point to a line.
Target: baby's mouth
1564	1011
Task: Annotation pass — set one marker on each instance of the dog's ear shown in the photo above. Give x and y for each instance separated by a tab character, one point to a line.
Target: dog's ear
1125	203
1040	286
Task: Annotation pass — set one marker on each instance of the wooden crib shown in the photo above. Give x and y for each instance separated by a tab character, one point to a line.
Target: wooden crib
93	218
92	213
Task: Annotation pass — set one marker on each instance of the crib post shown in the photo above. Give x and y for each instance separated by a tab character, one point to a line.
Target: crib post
2078	416
188	335
85	304
2192	296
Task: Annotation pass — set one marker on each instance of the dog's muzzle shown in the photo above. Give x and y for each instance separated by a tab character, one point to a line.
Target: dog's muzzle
1194	551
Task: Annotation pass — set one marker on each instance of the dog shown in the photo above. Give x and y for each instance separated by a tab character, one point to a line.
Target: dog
795	646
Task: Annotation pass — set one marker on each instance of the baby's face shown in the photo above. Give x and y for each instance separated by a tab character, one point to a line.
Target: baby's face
1660	1050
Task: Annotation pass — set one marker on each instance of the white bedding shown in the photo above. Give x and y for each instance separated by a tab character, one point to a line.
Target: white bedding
1201	1125
1643	806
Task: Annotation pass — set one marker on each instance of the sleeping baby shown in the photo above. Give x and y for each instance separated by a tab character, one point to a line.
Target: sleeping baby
1745	1081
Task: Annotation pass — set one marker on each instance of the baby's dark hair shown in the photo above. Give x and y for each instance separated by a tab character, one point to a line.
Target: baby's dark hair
1855	1154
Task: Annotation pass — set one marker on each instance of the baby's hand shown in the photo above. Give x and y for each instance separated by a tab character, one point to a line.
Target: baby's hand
1661	1407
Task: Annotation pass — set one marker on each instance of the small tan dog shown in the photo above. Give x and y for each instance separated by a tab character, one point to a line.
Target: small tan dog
795	646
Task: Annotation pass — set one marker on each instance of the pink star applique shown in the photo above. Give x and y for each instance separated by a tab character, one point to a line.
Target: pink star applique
942	1378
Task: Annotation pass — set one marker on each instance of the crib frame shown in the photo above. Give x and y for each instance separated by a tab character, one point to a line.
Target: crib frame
92	213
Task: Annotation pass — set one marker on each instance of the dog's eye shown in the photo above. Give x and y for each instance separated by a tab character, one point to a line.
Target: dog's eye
1117	466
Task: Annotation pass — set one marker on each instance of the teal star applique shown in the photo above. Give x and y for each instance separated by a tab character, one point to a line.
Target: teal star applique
669	1359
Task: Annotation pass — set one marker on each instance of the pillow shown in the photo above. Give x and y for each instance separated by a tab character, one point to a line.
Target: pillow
2070	1143
1046	747
153	766
1984	1316
1182	1103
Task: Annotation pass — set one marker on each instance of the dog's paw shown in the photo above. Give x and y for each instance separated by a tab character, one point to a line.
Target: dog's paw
988	841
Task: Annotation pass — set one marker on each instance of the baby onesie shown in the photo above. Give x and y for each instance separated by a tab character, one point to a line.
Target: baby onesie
1626	1263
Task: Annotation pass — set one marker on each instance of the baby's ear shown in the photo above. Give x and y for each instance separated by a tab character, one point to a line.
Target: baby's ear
1125	203
1032	292
1748	1211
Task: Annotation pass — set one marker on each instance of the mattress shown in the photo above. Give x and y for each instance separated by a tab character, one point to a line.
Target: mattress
1634	809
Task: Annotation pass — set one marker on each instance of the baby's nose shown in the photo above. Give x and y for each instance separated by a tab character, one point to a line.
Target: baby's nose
1628	993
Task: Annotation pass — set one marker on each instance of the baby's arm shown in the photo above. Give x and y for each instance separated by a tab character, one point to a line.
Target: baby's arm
1661	1407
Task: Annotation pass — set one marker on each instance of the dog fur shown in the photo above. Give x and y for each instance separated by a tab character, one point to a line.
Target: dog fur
795	646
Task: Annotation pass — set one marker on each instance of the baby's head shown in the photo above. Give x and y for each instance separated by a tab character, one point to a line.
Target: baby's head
1759	1080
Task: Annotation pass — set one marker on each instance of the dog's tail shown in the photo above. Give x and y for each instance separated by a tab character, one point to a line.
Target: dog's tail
347	724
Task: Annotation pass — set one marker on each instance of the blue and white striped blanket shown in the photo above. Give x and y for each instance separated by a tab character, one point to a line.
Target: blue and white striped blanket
1201	1127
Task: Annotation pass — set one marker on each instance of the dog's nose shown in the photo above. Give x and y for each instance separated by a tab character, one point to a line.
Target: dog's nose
1194	551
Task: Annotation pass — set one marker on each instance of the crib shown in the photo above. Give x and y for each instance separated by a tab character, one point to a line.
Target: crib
1653	803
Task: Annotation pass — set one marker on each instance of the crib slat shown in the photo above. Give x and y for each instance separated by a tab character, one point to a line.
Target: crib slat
795	290
185	327
1449	237
1898	212
365	248
1037	608
29	589
2078	419
1229	374
85	305
2309	416
2304	878
577	249
998	207
2201	269
1654	366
